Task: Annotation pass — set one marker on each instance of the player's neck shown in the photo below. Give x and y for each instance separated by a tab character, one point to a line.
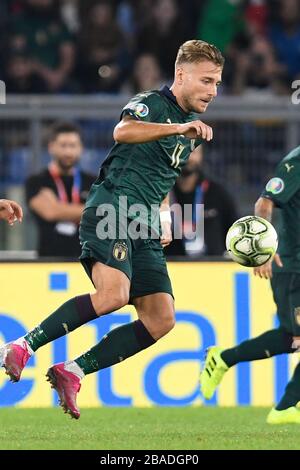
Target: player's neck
174	89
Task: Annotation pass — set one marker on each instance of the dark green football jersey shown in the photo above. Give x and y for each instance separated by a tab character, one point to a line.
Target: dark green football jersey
284	190
145	173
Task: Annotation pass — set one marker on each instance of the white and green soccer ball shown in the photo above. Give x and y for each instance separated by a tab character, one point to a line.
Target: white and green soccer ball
251	241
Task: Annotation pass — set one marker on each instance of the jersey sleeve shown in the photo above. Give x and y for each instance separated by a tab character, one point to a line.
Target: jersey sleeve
147	108
284	184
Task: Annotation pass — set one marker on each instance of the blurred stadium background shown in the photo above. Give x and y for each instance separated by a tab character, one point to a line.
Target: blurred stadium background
100	53
114	49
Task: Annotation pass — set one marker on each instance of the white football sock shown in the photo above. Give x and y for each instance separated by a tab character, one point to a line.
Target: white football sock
72	366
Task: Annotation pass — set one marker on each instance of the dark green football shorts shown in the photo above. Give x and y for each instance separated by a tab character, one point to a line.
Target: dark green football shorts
286	293
142	261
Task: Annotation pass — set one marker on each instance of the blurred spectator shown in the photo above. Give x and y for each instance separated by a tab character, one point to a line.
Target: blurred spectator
285	38
146	74
260	38
252	65
125	17
256	15
192	11
194	187
3	35
56	195
41	33
70	14
21	77
164	33
102	53
221	22
140	7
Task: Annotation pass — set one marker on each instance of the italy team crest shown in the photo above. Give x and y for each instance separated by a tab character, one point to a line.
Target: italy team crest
120	251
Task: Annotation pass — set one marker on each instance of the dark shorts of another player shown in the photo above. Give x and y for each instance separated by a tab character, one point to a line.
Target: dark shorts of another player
142	261
286	293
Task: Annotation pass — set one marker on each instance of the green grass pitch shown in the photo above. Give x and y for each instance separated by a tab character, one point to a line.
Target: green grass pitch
188	428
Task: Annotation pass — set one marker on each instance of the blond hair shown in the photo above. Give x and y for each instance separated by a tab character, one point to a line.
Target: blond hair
198	51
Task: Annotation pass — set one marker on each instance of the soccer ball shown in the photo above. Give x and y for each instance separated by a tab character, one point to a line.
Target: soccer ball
251	241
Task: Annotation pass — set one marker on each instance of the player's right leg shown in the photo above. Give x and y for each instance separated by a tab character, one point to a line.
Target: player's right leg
112	293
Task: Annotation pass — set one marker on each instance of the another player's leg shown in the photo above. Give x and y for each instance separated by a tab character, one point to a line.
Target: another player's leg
218	361
286	412
286	288
271	343
112	293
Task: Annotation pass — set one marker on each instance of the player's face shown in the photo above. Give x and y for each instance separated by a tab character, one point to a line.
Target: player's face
66	149
198	85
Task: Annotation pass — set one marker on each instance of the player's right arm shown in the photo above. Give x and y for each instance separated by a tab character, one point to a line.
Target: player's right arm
132	131
264	208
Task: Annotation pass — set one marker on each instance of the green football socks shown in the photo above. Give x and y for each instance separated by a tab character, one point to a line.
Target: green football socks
68	317
268	344
116	346
292	392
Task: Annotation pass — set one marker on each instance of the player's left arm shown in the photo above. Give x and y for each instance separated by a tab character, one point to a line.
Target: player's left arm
264	208
10	211
165	222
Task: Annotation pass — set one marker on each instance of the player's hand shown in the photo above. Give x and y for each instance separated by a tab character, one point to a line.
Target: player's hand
265	271
166	234
196	129
10	211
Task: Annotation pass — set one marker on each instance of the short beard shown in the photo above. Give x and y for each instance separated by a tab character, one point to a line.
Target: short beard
65	168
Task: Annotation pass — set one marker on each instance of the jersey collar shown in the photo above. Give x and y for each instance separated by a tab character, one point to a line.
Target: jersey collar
165	91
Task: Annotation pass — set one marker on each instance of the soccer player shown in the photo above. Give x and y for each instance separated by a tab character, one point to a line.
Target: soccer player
283	191
10	211
154	139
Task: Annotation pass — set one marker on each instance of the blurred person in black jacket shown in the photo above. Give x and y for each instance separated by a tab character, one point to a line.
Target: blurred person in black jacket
194	187
56	195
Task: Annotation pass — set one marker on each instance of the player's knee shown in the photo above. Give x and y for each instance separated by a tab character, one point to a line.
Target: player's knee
166	324
121	298
118	298
106	302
